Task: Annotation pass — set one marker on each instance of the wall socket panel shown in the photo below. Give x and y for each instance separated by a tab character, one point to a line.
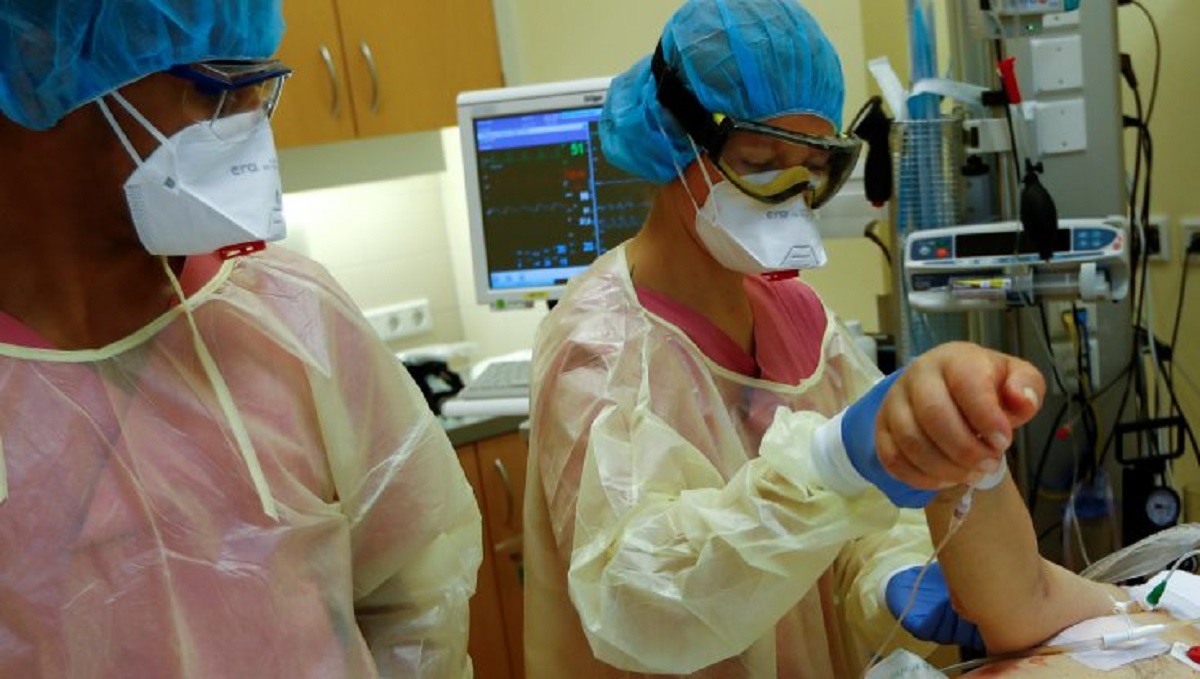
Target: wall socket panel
401	320
1189	231
1158	238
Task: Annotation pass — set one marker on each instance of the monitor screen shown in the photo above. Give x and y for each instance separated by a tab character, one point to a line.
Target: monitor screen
542	200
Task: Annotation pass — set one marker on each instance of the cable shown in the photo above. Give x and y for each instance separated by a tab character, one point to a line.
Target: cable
1156	594
869	234
1183	277
997	57
1157	59
1036	484
956	521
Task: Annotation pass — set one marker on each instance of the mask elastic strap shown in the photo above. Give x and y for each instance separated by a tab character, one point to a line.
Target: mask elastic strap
679	170
225	399
112	122
137	115
700	162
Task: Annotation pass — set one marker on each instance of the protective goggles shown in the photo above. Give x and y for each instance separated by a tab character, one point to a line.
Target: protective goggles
228	88
767	163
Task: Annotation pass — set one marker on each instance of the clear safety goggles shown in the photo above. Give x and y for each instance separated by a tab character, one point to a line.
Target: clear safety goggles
223	89
767	163
772	164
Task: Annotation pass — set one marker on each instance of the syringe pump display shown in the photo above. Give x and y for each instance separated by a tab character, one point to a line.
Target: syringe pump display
992	266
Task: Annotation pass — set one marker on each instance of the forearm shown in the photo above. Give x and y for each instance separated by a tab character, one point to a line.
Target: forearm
999	580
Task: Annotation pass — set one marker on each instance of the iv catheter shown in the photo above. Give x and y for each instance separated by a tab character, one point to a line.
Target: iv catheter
1103	642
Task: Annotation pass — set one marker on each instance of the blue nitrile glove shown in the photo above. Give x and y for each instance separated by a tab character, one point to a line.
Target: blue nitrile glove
931	617
858	436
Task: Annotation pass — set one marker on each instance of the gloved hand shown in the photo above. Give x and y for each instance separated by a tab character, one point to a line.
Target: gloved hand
858	436
931	617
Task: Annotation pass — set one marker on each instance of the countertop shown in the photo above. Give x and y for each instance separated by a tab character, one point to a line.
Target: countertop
466	430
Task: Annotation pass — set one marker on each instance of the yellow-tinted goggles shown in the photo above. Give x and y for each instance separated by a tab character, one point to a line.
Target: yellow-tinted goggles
772	164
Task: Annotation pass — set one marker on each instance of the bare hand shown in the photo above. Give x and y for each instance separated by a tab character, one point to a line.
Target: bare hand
951	414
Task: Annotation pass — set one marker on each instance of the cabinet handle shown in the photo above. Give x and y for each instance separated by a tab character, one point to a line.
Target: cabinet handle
370	57
336	108
508	492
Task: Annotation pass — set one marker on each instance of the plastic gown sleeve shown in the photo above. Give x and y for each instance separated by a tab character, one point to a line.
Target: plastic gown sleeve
674	569
867	564
415	528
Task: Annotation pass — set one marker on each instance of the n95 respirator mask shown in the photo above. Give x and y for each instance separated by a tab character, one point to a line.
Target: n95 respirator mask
210	187
752	237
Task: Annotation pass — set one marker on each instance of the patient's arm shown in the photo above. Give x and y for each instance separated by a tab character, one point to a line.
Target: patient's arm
999	581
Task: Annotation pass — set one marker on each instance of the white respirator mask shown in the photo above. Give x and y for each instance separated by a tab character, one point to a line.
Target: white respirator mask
751	237
212	187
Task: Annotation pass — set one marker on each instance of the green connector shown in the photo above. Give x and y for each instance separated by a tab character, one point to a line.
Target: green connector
1157	592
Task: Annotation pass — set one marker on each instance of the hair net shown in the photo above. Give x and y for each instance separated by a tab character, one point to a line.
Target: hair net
750	59
56	55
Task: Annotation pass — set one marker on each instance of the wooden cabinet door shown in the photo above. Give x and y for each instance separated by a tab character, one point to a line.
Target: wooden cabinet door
315	107
488	643
502	468
408	59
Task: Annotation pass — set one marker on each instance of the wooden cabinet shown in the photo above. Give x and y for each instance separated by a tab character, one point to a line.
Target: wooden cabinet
375	67
496	469
488	643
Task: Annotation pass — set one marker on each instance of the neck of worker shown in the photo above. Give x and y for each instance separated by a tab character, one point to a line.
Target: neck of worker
71	266
667	256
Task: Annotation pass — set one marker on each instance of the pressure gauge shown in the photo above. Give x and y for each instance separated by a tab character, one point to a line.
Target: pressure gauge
1162	507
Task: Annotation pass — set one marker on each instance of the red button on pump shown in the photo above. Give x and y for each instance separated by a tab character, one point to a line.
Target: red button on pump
942	253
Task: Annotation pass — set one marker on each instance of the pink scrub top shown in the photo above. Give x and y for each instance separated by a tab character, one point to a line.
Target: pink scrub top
789	324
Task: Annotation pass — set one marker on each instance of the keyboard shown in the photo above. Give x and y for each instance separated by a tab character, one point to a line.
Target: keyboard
501	379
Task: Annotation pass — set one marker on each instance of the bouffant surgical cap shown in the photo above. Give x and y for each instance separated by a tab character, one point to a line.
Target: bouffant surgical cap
56	55
750	59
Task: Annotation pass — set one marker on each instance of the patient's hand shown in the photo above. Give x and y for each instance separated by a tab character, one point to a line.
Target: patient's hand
951	415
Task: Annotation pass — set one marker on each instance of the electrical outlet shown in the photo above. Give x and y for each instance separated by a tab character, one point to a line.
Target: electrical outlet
401	320
1189	239
1158	238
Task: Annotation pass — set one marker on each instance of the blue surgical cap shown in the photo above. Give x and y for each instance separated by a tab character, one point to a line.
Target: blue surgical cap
56	55
750	59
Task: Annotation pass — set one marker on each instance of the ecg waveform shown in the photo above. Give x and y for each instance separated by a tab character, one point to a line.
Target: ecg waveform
556	205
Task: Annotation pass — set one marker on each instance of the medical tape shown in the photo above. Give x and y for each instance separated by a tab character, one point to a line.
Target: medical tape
225	399
889	85
966	93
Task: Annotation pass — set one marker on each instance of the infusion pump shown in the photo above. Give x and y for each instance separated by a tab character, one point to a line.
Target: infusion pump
994	266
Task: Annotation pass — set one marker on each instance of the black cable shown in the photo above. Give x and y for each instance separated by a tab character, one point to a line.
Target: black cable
1157	60
1177	409
1036	483
1087	415
1112	432
1183	277
1041	306
869	234
1049	529
998	56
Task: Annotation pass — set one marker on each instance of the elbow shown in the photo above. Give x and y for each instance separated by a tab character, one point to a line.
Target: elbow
1020	621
